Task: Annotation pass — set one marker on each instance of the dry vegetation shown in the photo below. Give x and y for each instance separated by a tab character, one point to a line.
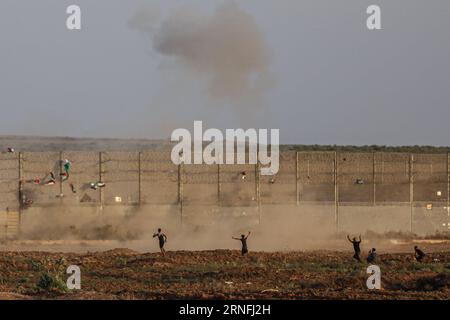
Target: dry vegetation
215	274
220	274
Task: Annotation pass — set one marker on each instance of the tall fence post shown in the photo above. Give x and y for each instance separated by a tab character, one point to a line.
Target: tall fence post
60	176
100	177
374	176
20	164
336	191
411	190
297	180
139	178
180	190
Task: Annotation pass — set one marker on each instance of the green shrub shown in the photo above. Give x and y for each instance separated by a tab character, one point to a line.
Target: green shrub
50	282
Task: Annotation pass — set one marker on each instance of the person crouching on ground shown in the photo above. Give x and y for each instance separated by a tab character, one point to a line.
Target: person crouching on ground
372	257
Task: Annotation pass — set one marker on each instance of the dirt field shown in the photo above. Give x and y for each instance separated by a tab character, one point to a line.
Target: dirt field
221	274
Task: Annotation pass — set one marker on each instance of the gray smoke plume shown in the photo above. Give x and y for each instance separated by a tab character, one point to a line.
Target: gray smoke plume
227	49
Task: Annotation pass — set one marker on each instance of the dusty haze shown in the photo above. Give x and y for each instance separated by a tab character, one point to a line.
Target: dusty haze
226	49
281	229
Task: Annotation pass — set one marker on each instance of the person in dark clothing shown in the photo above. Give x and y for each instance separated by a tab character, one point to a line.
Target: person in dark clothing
356	247
243	240
49	181
162	240
372	256
418	254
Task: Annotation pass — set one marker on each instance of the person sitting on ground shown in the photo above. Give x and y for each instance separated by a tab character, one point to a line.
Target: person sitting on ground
356	247
372	257
243	240
162	240
418	254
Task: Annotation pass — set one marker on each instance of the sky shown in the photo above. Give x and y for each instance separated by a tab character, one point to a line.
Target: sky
312	69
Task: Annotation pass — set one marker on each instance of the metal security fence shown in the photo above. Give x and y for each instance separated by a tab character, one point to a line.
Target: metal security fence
9	181
420	182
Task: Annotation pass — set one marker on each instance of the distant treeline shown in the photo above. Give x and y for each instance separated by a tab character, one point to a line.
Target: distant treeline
28	143
371	148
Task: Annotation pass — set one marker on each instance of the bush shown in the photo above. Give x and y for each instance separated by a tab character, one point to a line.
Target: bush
50	282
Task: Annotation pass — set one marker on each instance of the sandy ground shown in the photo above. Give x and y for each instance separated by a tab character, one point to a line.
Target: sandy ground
150	245
223	274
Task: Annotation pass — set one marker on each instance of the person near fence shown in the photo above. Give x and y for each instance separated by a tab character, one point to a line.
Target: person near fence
96	185
66	167
243	240
356	247
162	240
49	179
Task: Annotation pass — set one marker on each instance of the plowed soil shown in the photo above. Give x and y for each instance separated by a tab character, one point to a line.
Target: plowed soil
221	274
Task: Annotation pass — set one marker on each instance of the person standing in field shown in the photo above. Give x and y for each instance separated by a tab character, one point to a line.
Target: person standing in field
243	240
356	247
162	240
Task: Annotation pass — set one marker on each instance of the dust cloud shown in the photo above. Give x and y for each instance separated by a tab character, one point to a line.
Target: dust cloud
198	229
280	228
226	49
